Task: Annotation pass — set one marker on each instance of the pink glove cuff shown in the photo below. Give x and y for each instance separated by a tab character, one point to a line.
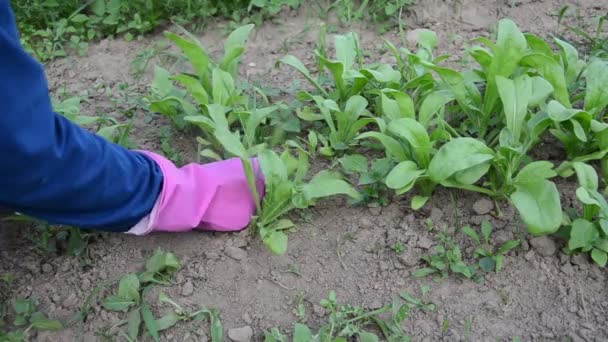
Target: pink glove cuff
212	196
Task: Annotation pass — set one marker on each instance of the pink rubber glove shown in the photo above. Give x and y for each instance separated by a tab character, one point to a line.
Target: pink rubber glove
214	196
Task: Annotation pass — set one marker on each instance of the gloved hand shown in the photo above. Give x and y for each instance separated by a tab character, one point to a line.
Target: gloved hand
214	196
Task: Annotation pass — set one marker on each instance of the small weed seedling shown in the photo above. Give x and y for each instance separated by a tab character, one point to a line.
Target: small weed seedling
346	322
26	320
489	260
371	179
447	258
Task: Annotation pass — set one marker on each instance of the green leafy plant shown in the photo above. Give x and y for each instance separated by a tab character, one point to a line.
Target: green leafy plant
447	258
588	233
285	186
346	321
26	320
371	177
212	82
489	259
132	291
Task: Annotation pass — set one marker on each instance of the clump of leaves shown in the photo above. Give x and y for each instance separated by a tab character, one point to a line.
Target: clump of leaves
446	259
347	321
588	233
370	177
27	319
286	188
489	259
132	291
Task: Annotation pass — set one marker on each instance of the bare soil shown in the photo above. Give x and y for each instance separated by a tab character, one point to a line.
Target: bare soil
541	295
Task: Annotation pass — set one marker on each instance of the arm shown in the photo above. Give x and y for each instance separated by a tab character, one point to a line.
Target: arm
54	170
51	168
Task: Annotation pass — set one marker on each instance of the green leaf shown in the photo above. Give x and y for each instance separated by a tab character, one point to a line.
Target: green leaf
499	262
486	230
128	288
217	329
392	146
272	165
166	322
541	90
510	47
223	87
419	202
194	51
346	49
423	272
326	184
596	96
116	303
515	96
558	113
487	264
416	135
472	234
600	257
509	245
295	63
402	176
587	177
355	163
23	306
365	336
277	242
432	104
302	333
234	46
463	159
582	235
134	321
534	172
149	320
194	87
162	262
39	322
548	68
569	59
539	206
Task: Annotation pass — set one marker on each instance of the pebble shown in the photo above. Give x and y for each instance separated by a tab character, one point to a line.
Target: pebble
243	334
483	206
235	253
70	301
318	310
568	270
424	242
544	245
436	215
187	289
580	260
365	222
529	256
376	211
47	268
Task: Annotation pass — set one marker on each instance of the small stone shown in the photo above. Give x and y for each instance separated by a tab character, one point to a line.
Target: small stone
212	255
424	242
580	259
239	242
568	270
502	236
376	211
529	256
544	245
483	206
47	268
318	310
243	334
247	318
70	301
235	253
525	245
187	289
436	215
365	222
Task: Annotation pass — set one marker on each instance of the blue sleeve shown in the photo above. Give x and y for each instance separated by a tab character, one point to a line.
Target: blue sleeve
54	170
